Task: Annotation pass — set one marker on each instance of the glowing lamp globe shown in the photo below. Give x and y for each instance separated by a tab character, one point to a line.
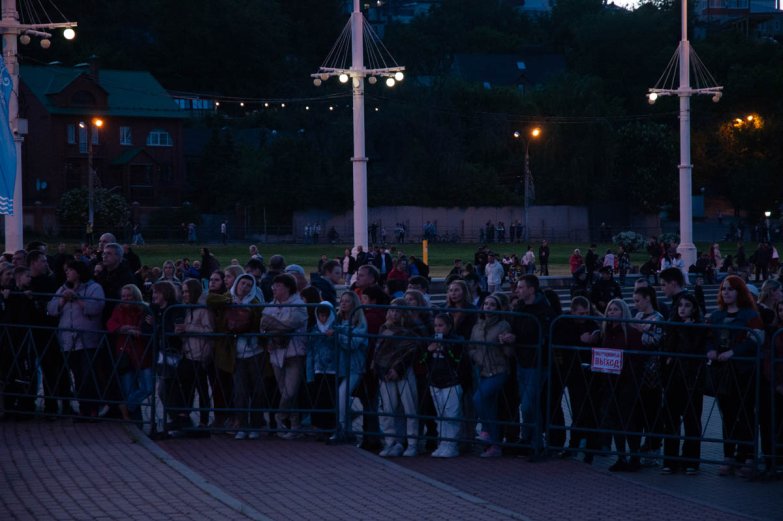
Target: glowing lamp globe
69	34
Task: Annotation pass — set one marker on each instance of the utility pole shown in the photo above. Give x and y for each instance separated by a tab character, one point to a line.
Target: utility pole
13	31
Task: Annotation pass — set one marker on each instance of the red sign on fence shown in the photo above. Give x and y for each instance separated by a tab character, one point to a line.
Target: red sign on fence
607	360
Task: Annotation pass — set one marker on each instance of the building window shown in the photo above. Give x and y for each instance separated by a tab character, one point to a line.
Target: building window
82	140
126	137
159	138
96	136
71	134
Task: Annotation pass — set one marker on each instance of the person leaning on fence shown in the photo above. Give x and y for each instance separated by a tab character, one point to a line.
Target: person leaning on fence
771	393
443	357
350	329
79	304
650	390
490	354
733	380
682	377
572	338
286	321
395	352
621	391
169	346
197	349
241	320
321	367
133	351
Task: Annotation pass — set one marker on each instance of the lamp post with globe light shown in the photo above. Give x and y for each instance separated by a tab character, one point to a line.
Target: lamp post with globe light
355	36
685	59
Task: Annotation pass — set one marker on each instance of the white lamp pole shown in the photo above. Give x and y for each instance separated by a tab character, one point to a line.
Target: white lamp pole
12	29
356	73
681	64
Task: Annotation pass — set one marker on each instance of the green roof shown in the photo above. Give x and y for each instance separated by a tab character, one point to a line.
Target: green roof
131	93
127	156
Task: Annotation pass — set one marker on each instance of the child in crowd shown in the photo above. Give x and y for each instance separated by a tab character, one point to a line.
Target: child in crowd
443	358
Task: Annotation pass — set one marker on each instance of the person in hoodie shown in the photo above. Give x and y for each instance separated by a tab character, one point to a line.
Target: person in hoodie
79	305
321	367
350	329
241	322
285	324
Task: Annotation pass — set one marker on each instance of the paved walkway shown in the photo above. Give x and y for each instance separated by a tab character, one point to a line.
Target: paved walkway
98	471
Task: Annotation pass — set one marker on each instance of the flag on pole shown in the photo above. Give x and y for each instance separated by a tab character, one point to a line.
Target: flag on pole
7	143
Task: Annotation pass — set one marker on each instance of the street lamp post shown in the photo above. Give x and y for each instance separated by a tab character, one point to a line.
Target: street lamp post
528	178
92	127
12	30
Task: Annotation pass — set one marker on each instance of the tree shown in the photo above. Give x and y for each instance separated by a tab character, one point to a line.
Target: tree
111	210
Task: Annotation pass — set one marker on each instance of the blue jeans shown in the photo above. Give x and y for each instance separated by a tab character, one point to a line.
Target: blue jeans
530	381
485	399
137	385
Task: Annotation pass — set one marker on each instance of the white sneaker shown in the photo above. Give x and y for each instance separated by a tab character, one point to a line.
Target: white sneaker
254	435
392	451
450	451
438	453
411	451
241	435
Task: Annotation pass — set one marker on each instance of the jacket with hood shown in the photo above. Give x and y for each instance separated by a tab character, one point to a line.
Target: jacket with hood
288	322
321	349
242	320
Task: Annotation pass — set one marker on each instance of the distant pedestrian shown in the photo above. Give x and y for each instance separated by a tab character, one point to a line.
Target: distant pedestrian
224	232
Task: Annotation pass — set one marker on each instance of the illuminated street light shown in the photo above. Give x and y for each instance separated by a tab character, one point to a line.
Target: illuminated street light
529	195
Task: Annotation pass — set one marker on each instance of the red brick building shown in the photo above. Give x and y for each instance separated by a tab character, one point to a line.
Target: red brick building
137	152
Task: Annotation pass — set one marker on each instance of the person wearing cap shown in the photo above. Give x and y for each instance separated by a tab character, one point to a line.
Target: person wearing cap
298	273
276	267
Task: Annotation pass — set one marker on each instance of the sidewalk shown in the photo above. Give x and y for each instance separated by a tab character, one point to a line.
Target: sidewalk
100	471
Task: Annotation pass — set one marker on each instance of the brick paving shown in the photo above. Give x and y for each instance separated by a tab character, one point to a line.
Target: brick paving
99	471
61	470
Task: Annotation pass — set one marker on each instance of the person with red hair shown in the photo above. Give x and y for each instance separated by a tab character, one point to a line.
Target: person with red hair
732	354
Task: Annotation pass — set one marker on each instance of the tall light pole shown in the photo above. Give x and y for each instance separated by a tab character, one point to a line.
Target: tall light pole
92	128
359	33
12	29
681	63
534	133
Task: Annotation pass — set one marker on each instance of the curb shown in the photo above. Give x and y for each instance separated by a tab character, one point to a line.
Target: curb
194	477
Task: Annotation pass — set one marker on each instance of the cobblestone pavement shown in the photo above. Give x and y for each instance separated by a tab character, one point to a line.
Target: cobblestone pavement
60	470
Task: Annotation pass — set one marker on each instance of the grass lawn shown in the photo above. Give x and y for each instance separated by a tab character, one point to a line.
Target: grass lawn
441	255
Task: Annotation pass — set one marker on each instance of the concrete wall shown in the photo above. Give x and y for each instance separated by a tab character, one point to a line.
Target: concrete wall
558	223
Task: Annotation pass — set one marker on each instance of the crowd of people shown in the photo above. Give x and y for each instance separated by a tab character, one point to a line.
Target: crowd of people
260	347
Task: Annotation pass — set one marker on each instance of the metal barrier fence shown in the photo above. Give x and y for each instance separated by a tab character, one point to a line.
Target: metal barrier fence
665	391
410	385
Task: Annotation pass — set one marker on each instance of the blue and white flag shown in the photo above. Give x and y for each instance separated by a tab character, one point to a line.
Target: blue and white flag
7	144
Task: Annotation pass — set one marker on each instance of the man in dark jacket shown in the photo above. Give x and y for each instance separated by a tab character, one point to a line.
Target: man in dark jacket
331	274
50	359
605	289
591	263
528	334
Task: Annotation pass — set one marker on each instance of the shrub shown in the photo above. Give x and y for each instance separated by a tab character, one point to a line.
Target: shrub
630	241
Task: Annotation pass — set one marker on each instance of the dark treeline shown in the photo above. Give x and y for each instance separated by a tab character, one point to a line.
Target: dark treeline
437	140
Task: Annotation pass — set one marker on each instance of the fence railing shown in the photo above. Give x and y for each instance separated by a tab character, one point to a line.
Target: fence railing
508	384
